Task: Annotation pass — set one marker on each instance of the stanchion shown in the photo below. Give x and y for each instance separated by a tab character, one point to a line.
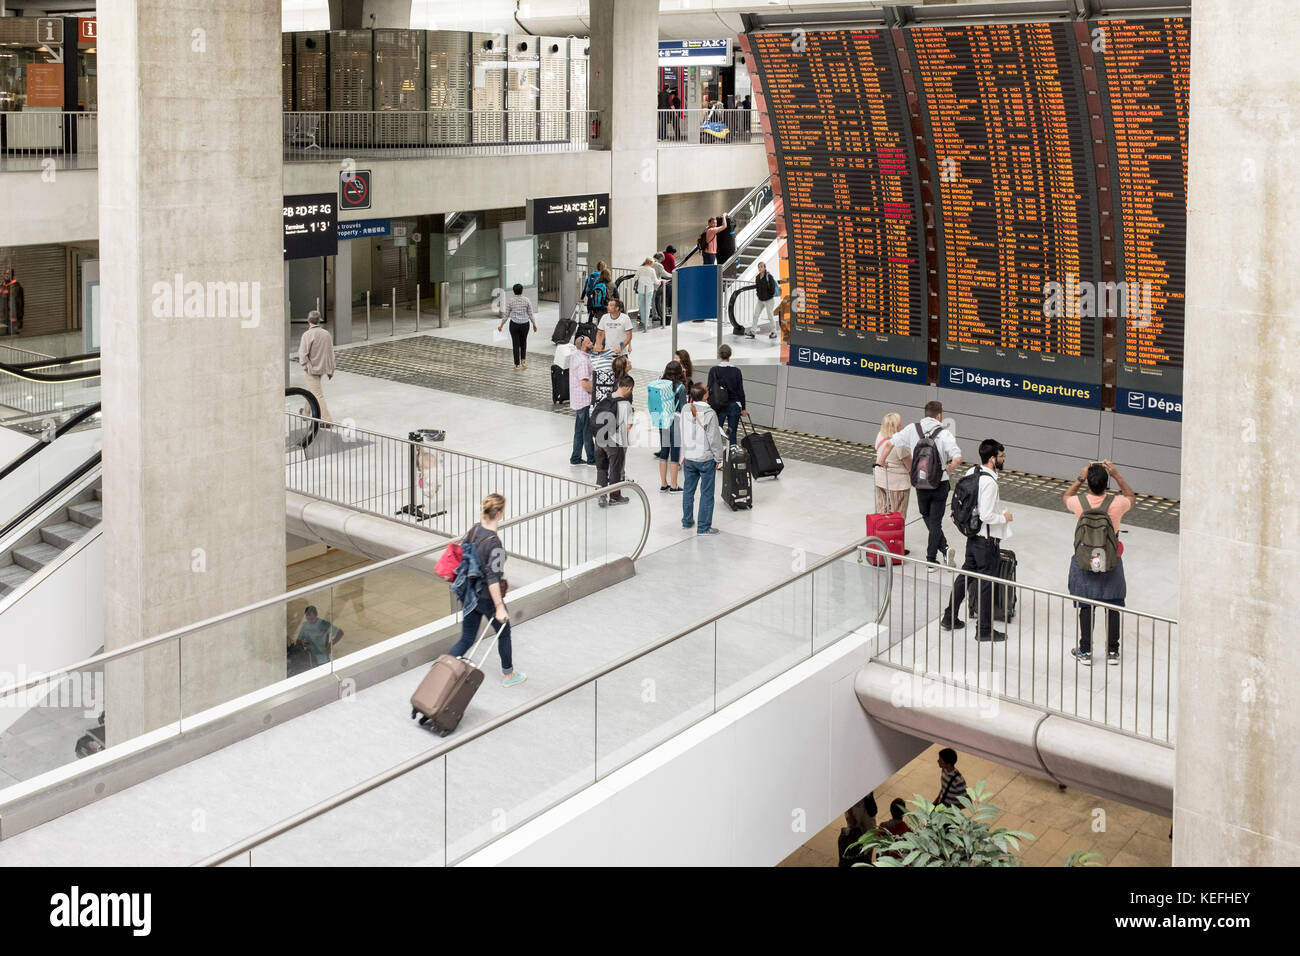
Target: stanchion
394	331
413	507
367	315
417	307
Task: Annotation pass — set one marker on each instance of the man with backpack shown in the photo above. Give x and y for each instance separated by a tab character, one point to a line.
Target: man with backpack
977	512
611	421
930	454
1097	570
590	293
727	393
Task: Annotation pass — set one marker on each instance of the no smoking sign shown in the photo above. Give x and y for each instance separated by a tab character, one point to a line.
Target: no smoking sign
354	189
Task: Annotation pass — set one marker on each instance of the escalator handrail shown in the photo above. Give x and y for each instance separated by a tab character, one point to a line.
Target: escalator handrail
314	403
88	412
731	306
765	184
28	371
61	486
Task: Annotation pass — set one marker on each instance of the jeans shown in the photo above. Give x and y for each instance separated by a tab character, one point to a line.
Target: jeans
710	258
519	340
646	300
582	439
981	556
701	473
469	628
733	421
609	467
931	504
762	306
1085	630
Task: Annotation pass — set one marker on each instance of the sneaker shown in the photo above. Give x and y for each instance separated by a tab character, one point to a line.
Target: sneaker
620	500
518	677
672	489
663	487
950	557
523	364
1112	657
687	525
771	335
710	531
992	636
1083	657
602	503
931	568
948	624
749	335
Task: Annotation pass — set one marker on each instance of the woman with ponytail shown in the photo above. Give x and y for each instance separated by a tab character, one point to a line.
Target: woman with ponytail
701	457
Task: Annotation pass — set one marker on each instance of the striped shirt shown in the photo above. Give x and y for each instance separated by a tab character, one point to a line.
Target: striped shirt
952	787
602	375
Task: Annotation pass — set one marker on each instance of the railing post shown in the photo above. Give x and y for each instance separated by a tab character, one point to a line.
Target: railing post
367	315
394	332
417	307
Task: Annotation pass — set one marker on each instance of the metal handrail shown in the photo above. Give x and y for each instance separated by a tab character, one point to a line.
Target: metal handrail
149	642
88	412
23	370
765	184
414	763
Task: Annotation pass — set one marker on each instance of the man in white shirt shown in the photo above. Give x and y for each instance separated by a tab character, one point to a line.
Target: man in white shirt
982	550
615	330
932	494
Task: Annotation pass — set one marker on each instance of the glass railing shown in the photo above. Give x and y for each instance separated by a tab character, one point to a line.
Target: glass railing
709	126
165	686
33	385
454	799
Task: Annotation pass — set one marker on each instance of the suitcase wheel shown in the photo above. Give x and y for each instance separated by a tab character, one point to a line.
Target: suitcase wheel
424	721
443	732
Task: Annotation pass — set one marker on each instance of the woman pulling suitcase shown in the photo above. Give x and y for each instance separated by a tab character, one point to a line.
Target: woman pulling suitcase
491	588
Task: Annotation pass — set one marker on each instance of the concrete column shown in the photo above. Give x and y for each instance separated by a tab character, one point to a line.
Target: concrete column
342	318
1238	668
192	382
623	79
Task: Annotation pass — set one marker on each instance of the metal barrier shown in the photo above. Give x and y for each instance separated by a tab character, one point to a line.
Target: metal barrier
421	134
34	384
699	670
693	127
49	140
1034	666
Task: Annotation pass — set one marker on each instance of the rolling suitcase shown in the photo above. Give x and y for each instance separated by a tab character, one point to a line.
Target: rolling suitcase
448	688
564	330
563	353
764	459
586	330
1004	597
737	486
888	527
559	385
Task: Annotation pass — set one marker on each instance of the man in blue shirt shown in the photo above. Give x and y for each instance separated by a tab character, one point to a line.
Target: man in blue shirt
317	635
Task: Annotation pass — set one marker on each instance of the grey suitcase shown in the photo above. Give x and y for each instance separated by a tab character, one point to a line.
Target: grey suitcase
446	691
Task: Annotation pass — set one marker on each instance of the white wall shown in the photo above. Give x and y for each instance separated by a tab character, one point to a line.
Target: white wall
744	787
44	471
708	166
65	209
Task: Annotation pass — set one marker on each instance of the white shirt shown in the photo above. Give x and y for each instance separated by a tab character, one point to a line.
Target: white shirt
906	438
646	279
990	504
616	331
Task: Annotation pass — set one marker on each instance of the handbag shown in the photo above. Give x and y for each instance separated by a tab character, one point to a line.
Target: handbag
446	567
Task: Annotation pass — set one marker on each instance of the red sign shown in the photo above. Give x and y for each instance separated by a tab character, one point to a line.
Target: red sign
86	30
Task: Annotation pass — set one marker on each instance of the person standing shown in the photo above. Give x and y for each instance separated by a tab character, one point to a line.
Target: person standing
603	378
588	290
733	383
688	367
676	105
892	483
492	588
316	356
517	309
709	240
982	549
646	284
661	293
670	450
662	106
1097	569
317	635
581	389
615	330
611	421
11	303
670	258
765	301
701	457
928	443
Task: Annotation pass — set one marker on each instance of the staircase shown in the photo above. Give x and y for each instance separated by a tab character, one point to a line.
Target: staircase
44	545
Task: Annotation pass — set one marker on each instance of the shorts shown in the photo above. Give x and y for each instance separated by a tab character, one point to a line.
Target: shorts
672	453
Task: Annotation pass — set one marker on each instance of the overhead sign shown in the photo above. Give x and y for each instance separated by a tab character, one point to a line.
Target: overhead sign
87	31
311	223
364	228
568	213
49	30
1130	401
695	52
354	189
1015	385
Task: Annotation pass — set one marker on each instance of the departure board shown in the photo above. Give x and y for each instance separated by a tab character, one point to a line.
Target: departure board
850	205
1144	73
1016	225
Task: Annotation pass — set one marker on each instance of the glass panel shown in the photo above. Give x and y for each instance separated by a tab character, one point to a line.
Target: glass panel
644	703
520	770
60	721
763	638
848	594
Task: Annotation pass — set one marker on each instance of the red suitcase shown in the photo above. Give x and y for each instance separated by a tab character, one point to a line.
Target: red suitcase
888	527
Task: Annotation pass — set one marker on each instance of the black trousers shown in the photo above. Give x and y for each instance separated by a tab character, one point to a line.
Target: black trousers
981	556
609	466
932	504
519	340
1085	630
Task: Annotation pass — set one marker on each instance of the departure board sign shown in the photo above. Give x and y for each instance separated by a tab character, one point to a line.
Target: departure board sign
1011	160
568	213
1144	72
311	223
848	203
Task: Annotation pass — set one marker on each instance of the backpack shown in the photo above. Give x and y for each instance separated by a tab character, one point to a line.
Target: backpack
604	422
592	279
966	504
468	573
927	462
599	296
1096	545
719	396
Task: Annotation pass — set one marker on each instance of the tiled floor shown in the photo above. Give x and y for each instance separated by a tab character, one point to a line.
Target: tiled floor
1062	821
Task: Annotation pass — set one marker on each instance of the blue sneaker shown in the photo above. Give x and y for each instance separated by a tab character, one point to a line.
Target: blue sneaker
518	677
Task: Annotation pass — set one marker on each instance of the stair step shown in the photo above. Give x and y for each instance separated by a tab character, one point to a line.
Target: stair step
33	557
64	534
99	494
12	576
88	513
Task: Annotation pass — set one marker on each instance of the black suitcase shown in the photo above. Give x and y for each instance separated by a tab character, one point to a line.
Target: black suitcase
564	330
1004	597
559	385
764	459
737	486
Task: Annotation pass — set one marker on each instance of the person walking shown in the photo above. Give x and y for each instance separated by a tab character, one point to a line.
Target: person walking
928	447
611	422
727	391
581	388
765	290
701	457
316	356
492	589
893	486
594	311
670	449
982	549
517	309
615	330
645	285
12	303
1097	569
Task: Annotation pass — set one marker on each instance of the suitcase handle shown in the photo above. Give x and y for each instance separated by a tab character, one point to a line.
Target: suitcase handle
470	655
744	420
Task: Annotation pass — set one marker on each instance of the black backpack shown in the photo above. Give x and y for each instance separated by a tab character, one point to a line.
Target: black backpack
966	504
604	421
927	463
